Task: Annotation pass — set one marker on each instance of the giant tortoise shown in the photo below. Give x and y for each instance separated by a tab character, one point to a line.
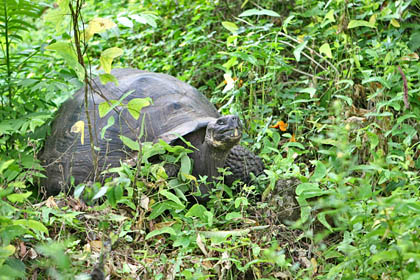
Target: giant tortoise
177	110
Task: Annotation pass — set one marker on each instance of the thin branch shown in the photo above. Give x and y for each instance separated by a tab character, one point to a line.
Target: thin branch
304	54
312	50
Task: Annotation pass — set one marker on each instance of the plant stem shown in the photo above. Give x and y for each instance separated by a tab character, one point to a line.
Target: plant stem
6	35
75	14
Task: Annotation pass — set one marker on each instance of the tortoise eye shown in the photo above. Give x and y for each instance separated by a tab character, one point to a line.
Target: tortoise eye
220	122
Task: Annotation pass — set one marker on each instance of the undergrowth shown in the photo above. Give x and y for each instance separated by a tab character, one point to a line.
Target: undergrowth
326	91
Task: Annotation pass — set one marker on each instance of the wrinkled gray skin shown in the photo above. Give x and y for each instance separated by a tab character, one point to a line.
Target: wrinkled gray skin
177	110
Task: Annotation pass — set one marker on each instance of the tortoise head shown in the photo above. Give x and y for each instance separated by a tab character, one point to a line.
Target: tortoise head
224	133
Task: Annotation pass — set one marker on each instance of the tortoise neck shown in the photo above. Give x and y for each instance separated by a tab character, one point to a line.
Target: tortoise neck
208	160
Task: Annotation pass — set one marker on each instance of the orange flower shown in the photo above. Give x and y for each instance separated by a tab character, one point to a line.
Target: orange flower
280	125
293	139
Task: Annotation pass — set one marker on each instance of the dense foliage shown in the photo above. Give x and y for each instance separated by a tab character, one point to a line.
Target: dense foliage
327	93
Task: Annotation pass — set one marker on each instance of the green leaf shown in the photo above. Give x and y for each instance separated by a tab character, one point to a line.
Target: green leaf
185	165
233	28
373	139
32	225
323	220
111	121
197	210
66	51
18	197
330	16
325	49
6	251
308	190
358	23
107	56
133	145
255	12
102	191
167	230
5	164
319	173
108	78
145	19
172	197
233	215
135	105
299	49
125	21
78	190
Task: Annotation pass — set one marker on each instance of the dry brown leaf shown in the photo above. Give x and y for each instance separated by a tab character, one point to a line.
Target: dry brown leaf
96	245
50	203
201	245
144	202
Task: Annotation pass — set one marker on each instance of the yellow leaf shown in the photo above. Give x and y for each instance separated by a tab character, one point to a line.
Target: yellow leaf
79	127
330	16
325	49
372	19
98	25
107	56
395	23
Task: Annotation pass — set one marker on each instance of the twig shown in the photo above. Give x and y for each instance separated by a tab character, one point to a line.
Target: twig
307	56
308	74
312	50
406	103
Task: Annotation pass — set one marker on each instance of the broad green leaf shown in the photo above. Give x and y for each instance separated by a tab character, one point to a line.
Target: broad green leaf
107	56
299	49
125	21
233	215
145	19
102	191
5	164
330	16
197	210
319	173
18	197
171	197
233	28
310	90
167	230
6	251
388	255
66	51
373	139
323	220
104	108
185	165
325	49
358	23
79	127
98	25
78	190
111	121
133	145
32	225
108	78
135	105
255	12
305	209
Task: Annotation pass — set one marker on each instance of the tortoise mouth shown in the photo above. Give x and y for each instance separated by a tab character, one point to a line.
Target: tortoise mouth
234	133
226	139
